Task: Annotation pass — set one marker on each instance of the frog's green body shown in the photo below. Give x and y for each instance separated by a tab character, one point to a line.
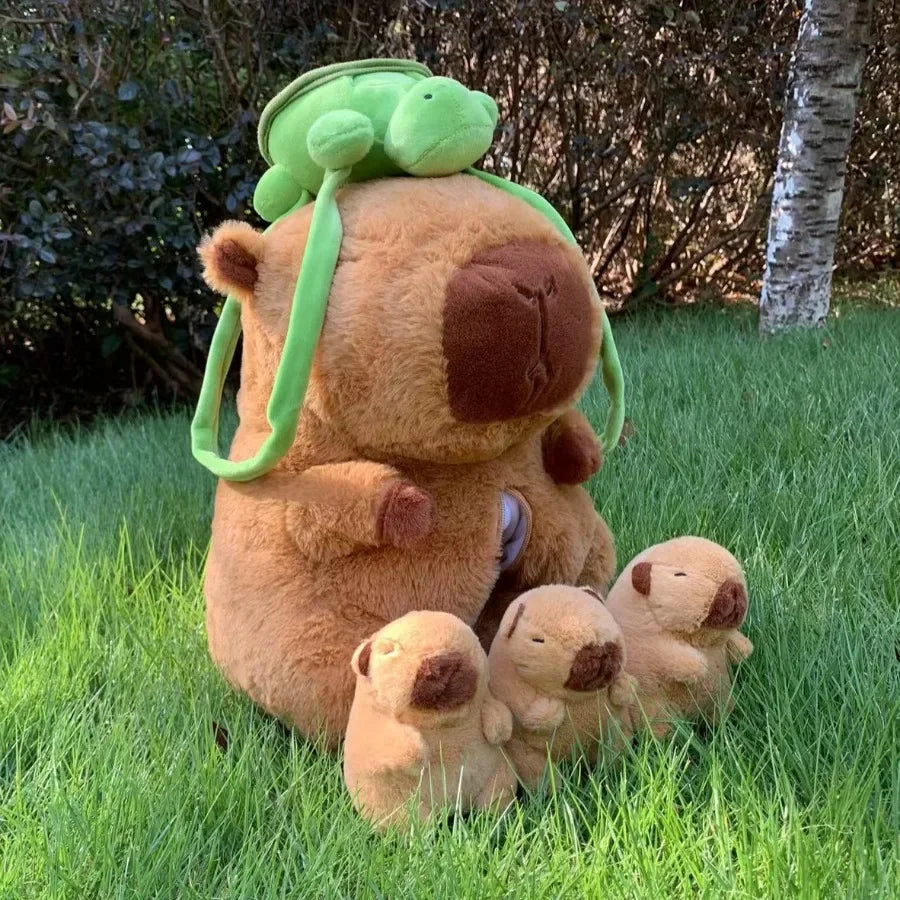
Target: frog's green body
373	119
352	122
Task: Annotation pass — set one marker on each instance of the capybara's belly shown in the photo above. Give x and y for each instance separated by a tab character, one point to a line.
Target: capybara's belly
283	628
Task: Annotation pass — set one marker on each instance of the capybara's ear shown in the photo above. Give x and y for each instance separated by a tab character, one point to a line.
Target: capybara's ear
519	612
361	657
640	578
231	255
592	592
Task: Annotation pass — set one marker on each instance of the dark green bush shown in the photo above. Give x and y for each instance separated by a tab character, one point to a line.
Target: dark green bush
128	129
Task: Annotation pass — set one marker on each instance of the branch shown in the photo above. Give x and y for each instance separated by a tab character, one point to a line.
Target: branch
93	83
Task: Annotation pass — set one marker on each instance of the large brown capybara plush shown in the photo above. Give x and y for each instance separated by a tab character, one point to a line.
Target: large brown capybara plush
438	457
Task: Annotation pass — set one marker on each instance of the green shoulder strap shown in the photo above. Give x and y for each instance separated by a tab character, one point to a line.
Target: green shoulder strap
610	366
304	326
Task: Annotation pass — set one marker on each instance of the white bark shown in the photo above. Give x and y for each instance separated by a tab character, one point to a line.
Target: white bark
819	109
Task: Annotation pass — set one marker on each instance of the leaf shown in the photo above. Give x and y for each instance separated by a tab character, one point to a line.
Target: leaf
9	112
220	736
128	90
628	432
47	255
110	343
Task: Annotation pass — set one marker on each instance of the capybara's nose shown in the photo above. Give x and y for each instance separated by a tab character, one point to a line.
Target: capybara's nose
729	606
518	332
595	667
443	682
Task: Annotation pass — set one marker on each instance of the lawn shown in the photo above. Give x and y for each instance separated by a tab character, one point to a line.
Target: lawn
113	782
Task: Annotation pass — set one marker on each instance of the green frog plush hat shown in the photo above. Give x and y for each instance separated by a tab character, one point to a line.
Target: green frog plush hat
353	121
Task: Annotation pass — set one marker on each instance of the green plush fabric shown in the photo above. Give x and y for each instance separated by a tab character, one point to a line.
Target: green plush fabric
352	121
304	326
439	127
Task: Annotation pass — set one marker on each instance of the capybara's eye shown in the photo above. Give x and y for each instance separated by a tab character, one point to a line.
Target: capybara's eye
538	640
681	574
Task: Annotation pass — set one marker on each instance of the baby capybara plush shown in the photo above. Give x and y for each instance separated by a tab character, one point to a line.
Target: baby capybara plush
558	663
680	605
424	730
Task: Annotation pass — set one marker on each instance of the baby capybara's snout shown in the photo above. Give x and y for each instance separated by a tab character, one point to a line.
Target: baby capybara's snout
444	681
595	666
517	332
729	606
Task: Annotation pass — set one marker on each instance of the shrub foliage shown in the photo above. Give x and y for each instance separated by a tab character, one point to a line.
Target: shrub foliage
127	129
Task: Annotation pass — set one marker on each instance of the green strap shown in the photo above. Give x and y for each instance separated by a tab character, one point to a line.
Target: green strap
307	316
611	369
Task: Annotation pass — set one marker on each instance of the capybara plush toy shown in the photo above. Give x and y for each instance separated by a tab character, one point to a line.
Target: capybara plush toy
679	605
424	731
438	454
558	663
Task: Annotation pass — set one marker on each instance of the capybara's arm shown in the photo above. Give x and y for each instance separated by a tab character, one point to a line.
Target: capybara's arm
738	647
397	748
336	508
542	714
623	691
572	452
496	720
534	711
680	662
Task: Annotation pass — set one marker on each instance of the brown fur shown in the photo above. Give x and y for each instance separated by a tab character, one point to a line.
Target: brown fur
230	260
386	502
424	728
662	601
572	453
560	671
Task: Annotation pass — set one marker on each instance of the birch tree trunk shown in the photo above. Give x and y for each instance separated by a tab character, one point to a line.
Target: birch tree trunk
819	109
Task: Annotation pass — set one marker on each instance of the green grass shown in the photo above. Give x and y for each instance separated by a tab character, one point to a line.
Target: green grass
111	782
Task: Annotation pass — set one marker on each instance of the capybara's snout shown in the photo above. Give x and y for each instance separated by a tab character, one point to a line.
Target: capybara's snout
443	682
517	332
729	606
595	667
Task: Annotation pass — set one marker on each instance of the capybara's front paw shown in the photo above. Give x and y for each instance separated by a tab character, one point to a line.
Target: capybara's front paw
572	455
405	514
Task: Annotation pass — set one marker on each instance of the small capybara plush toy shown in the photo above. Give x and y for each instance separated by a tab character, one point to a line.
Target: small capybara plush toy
424	729
558	663
679	605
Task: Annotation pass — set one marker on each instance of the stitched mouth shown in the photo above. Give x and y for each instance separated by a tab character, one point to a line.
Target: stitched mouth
539	372
441	145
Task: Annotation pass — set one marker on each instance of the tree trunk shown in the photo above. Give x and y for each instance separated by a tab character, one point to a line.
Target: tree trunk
819	109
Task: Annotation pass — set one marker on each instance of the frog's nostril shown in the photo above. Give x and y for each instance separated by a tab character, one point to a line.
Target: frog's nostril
428	96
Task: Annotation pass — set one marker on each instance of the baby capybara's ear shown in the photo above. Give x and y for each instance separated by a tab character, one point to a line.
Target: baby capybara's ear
361	657
640	577
231	256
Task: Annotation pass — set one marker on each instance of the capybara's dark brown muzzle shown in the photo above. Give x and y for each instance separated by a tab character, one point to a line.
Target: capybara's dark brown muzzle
443	682
729	606
595	667
517	336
